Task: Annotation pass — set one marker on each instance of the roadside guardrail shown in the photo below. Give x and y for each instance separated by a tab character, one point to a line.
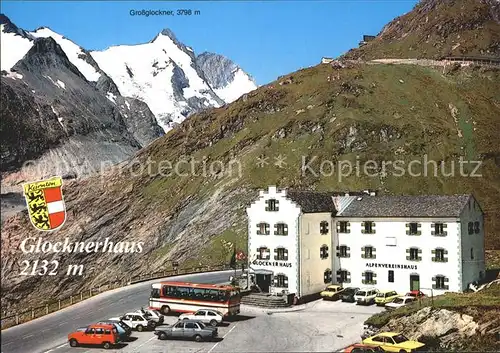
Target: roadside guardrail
18	318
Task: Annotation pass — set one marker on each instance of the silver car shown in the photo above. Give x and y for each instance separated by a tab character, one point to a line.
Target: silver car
187	329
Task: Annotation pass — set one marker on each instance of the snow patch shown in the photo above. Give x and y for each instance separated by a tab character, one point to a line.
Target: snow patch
13	47
58	117
72	51
127	104
240	85
51	80
111	97
14	75
61	84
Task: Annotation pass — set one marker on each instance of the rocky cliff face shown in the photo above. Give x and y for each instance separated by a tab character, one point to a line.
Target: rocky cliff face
226	78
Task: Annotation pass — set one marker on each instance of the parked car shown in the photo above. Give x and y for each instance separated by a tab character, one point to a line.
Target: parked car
153	314
123	333
207	316
97	334
347	294
366	296
385	297
332	292
394	342
136	321
187	329
415	293
399	302
362	348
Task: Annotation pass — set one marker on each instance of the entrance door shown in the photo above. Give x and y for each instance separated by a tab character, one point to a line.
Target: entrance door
263	281
414	282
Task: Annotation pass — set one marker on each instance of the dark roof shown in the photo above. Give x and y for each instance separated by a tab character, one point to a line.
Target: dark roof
314	201
407	206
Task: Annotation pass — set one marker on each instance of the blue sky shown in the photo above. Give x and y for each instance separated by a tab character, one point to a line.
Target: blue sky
266	38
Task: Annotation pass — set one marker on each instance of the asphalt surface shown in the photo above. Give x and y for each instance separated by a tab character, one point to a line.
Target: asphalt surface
318	327
49	333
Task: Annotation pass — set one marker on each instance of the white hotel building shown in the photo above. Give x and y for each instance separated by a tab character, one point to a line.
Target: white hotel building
299	241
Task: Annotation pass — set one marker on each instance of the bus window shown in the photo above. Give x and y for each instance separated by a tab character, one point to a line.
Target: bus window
184	292
155	293
198	293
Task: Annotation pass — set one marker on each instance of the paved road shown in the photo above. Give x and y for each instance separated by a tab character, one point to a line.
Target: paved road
318	327
48	332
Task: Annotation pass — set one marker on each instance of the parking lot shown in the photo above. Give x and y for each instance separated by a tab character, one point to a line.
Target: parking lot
319	326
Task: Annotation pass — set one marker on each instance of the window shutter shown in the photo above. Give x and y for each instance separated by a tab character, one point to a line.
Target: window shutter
338	227
433	286
433	279
446	280
363	253
362	227
373	228
337	247
286	229
286	255
445	225
285	281
433	226
374	275
275	281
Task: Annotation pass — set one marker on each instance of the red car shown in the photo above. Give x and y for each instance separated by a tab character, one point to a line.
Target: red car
415	294
99	334
362	348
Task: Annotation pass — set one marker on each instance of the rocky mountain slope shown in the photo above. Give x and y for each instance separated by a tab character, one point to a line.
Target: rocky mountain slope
61	112
167	79
438	28
187	191
227	79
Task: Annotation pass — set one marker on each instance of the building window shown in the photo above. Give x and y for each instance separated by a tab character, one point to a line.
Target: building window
391	276
280	229
343	276
413	254
263	253
323	252
323	227
263	228
281	281
439	229
343	251
440	282
413	228
343	227
369	277
272	205
327	276
476	227
471	253
281	254
439	255
368	227
471	227
368	252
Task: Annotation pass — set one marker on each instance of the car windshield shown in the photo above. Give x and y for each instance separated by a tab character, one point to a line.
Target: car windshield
398	301
331	289
400	338
361	293
380	295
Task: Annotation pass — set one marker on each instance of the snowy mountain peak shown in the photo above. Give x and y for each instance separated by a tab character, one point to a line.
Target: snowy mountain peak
15	43
168	32
76	54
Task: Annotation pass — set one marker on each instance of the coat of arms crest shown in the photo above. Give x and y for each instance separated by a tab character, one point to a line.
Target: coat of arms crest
45	203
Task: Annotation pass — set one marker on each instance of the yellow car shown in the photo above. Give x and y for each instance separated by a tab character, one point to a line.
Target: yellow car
385	297
332	292
394	342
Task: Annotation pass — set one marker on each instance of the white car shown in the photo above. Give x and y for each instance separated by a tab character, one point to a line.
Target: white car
207	316
365	296
399	302
136	321
152	314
